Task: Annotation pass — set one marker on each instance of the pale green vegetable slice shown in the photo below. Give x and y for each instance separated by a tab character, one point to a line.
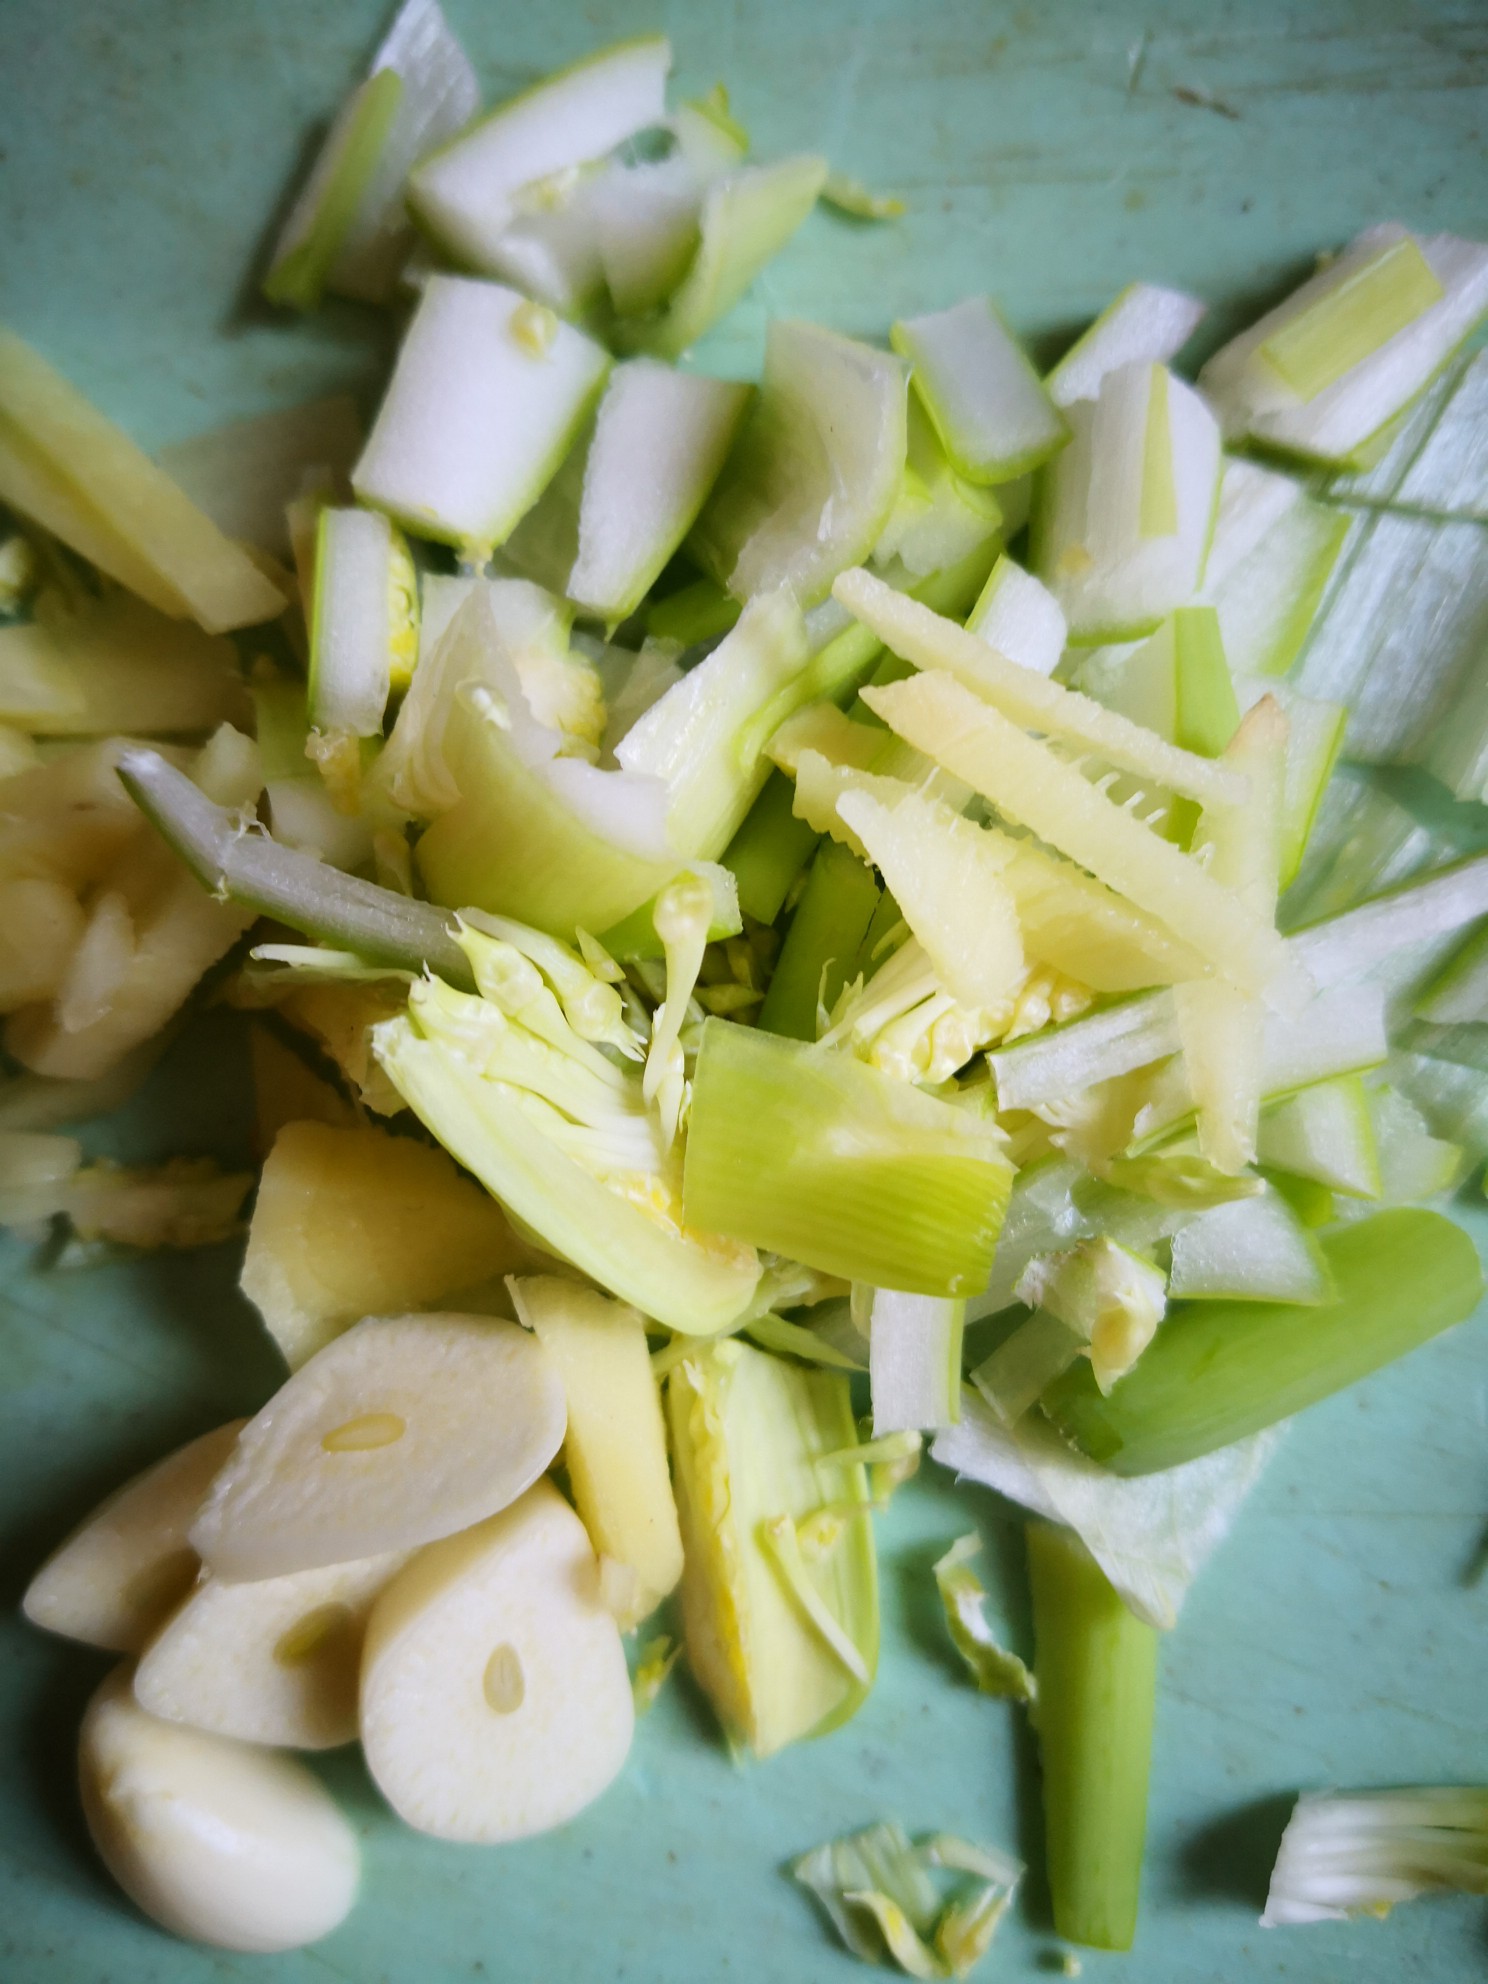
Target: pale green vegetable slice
350	1220
615	1444
1128	1034
1435	465
219	1842
760	1441
850	196
1034	788
990	409
1324	371
1352	1853
625	499
551	1172
1123	516
812	1154
813	477
1315	732
271	1662
746	219
1143	324
938	518
934	643
464	193
1325	1132
1273	551
495	1703
128	1564
1177	682
488	393
1255	1249
321	217
1458	994
701	739
914	1360
227	859
69	468
364	638
1017	615
400	1431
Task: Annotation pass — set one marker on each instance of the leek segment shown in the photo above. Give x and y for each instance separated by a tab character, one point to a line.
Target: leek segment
478	414
322	216
1123	517
749	1433
629	494
70	469
914	1361
1144	325
826	930
363	632
813	477
1019	617
465	192
746	219
1327	370
568	1150
1220	1370
938	517
1096	1667
809	1153
993	416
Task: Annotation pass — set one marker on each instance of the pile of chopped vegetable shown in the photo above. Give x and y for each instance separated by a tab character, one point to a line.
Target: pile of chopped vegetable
750	902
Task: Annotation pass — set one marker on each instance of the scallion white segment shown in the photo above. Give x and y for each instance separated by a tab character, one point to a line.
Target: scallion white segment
1272	554
746	219
485	398
360	621
1348	1853
1019	616
659	441
465	193
813	477
990	409
1122	521
1325	370
1145	324
914	1361
1252	1250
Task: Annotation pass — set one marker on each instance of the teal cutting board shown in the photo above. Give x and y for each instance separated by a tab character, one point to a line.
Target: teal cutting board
1049	153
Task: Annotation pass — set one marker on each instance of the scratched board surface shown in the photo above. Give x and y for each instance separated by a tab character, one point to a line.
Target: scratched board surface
1048	153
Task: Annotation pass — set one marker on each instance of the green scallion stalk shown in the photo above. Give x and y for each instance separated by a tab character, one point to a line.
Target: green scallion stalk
829	925
811	1153
1096	1668
1217	1371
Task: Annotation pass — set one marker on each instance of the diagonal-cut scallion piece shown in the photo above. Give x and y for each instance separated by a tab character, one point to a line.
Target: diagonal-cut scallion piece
1016	614
810	1153
989	406
914	1361
323	214
464	193
813	476
746	219
488	393
828	926
229	859
1144	324
1219	1370
1351	319
1325	1132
